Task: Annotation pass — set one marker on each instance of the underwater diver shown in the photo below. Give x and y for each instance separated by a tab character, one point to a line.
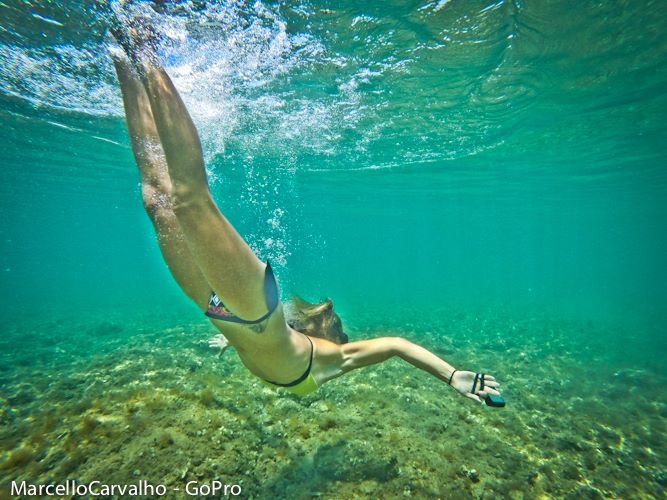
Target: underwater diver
217	269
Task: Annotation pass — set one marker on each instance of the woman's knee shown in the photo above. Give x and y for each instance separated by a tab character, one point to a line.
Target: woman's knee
155	200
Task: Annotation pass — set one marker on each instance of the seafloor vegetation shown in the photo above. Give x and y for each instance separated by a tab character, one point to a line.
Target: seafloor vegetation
126	399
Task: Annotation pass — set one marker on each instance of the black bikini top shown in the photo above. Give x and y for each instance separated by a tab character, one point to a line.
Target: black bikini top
217	309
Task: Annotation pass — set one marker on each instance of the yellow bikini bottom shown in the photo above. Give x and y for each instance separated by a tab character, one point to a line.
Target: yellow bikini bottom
303	388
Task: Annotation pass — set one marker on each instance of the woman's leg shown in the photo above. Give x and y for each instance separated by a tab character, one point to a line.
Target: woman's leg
226	260
156	185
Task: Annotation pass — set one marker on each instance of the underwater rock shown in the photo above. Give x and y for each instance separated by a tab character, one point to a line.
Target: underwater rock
585	492
571	471
23	395
7	413
328	424
18	458
660	478
471	474
569	443
353	462
630	376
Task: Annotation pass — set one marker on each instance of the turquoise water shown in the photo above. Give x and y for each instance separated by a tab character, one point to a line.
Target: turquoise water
497	166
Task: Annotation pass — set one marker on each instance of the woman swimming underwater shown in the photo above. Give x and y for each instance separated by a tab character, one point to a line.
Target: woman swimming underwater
217	269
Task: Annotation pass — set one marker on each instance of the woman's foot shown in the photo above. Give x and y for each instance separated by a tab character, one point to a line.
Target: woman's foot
136	36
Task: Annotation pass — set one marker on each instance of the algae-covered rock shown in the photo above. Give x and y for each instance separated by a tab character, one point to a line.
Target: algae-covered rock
585	492
7	413
18	458
350	461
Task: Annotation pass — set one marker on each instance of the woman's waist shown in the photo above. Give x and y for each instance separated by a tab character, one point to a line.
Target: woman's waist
282	363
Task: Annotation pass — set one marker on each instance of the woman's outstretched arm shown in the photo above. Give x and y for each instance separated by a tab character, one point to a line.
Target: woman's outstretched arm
369	352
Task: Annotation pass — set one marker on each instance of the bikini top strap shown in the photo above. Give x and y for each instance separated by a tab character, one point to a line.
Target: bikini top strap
312	351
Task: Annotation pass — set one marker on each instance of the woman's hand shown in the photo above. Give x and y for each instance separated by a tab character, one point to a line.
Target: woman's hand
218	341
474	385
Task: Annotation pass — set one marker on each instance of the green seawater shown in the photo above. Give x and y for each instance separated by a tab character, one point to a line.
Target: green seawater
487	179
